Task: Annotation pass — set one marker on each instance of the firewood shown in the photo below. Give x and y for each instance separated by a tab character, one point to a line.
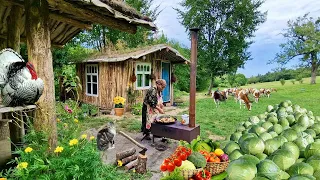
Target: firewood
141	167
131	164
125	154
129	159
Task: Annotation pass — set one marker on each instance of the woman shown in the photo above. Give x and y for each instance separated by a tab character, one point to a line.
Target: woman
152	105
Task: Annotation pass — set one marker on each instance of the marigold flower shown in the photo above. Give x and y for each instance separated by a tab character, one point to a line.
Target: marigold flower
76	120
119	163
28	150
22	165
91	137
58	149
84	136
73	142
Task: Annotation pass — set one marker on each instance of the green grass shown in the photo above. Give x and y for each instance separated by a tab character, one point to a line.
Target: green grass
224	120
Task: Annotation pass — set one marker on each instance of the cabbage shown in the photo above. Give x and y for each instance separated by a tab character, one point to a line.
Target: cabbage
303	121
187	165
231	146
271	145
289	110
314	161
241	170
257	130
269	108
283	158
316	128
241	128
304	110
281	139
316	174
262	116
300	160
311	121
302	142
246	136
312	149
282	114
317	118
311	132
252	145
273	134
271	114
235	136
277	128
302	177
260	178
265	136
284	175
273	120
291	119
293	148
236	154
266	125
268	169
298	128
284	104
301	168
250	158
284	122
261	156
254	119
290	134
247	124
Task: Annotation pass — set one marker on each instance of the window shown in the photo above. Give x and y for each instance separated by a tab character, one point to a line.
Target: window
92	80
143	72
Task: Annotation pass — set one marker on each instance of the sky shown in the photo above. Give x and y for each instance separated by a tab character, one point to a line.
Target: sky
267	38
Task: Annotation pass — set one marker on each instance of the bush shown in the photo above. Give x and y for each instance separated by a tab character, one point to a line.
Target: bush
136	109
282	81
293	81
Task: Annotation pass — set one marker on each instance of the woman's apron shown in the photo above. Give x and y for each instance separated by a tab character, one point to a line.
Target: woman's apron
152	112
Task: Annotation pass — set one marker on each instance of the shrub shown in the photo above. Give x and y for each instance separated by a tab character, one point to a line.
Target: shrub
293	81
282	81
299	78
301	81
136	109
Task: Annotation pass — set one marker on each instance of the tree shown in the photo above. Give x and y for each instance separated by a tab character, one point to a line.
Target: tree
303	41
226	27
241	79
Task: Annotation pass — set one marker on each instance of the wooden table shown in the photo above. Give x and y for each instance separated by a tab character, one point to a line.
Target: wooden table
175	131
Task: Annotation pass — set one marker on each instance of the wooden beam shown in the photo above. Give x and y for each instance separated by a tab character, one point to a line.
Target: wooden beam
14	28
39	54
92	16
23	39
73	22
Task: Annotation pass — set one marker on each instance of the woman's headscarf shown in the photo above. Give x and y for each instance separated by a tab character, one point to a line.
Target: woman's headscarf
161	82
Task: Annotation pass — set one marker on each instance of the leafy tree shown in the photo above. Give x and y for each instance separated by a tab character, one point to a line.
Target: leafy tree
282	81
226	27
302	40
241	80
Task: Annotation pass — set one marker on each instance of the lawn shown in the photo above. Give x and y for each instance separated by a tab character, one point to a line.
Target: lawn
224	120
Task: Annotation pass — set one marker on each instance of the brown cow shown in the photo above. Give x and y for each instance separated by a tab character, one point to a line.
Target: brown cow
256	95
267	92
243	98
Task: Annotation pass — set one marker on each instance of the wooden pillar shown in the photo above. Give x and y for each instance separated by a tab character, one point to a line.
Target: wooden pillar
39	54
14	29
3	43
5	150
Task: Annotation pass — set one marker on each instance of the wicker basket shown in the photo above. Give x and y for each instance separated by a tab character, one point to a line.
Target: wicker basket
216	167
189	173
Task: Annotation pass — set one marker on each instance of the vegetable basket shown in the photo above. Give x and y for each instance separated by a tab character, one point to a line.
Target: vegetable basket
216	167
189	173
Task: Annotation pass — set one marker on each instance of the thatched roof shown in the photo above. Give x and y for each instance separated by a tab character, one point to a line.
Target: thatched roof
166	51
69	17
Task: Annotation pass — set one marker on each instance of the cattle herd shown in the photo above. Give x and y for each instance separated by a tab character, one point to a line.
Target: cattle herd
241	95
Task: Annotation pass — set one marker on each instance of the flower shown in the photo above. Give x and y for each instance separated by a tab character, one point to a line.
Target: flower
119	163
3	178
22	165
91	137
76	120
68	109
119	101
58	120
73	142
58	149
28	150
84	136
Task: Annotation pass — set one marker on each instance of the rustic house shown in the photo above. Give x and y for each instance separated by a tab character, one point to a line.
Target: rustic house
104	77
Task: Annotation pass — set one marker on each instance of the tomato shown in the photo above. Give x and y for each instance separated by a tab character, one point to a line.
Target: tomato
177	162
183	156
163	167
203	175
170	167
211	159
189	152
166	161
216	159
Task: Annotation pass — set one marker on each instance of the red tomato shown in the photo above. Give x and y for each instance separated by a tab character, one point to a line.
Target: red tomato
211	159
183	156
189	152
170	167
177	162
166	161
163	167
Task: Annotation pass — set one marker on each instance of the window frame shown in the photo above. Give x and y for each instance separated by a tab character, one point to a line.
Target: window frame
92	74
144	73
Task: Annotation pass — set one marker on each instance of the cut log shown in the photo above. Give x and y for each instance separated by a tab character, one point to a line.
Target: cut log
125	154
141	167
129	159
131	164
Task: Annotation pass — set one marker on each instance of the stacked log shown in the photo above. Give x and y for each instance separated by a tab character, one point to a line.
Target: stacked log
130	160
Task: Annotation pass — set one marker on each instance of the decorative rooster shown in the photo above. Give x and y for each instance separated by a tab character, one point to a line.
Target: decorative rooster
19	83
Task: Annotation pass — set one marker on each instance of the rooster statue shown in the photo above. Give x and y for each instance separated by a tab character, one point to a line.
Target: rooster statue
19	83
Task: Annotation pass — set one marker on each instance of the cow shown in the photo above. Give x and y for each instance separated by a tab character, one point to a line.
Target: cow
273	90
218	97
243	98
256	95
267	92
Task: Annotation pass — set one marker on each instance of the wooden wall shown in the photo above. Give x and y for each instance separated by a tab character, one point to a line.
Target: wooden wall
114	80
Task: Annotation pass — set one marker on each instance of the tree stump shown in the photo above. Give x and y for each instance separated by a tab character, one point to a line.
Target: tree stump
141	167
124	154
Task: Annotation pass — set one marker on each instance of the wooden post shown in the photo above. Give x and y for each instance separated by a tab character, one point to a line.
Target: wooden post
193	74
141	167
39	54
14	29
5	150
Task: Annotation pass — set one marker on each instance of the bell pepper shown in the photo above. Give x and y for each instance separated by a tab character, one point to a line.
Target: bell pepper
203	175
